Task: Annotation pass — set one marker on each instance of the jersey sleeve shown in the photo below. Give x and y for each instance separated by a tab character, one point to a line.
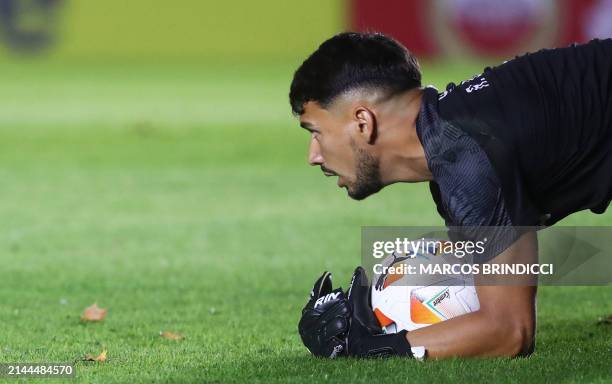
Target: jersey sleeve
469	196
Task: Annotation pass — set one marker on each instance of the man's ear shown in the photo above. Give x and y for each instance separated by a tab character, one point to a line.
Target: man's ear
366	122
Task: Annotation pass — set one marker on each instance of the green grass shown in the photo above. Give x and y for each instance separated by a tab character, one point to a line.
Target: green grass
178	197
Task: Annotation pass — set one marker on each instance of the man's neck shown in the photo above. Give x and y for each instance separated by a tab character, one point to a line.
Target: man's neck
403	157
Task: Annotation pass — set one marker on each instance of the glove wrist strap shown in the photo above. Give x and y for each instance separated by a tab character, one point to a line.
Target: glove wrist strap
384	345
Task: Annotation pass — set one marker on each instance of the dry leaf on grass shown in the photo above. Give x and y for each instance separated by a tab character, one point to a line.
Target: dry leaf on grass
171	335
605	320
94	313
100	357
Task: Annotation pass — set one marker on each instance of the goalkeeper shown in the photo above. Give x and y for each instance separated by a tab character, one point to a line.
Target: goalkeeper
525	143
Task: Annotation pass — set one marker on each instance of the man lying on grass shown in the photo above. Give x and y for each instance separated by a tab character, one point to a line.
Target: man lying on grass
525	143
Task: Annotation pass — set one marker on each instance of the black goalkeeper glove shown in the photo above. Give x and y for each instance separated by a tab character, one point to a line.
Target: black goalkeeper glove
325	319
365	337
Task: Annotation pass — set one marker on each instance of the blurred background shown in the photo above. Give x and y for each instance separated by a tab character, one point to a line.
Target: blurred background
274	29
148	158
79	61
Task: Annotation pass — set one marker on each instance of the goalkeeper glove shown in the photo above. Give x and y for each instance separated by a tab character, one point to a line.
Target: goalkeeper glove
365	337
325	319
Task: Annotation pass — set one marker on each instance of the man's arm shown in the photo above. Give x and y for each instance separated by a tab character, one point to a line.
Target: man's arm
503	326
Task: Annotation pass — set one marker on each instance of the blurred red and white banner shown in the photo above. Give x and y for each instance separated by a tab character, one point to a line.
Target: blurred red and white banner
484	27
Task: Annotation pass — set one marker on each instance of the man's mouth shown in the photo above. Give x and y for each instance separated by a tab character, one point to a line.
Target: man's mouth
328	172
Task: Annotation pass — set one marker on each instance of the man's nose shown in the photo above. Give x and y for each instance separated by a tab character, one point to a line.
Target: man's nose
314	153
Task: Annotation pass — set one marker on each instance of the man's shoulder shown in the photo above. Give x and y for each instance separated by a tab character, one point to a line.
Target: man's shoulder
469	187
466	188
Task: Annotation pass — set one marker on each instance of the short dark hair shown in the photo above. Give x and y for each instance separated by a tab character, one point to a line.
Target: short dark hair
353	60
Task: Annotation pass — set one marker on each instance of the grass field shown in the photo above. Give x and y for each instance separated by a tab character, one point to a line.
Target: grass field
178	197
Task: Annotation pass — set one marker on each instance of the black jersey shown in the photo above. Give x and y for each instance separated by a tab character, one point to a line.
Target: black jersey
542	123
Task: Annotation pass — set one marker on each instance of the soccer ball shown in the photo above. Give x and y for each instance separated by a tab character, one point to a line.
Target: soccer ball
399	305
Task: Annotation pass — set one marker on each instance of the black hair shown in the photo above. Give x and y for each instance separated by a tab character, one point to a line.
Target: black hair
353	60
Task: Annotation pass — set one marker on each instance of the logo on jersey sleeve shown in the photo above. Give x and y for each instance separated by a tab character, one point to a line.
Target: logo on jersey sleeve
476	83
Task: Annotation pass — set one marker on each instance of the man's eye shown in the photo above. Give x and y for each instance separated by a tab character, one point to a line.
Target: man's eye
316	135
